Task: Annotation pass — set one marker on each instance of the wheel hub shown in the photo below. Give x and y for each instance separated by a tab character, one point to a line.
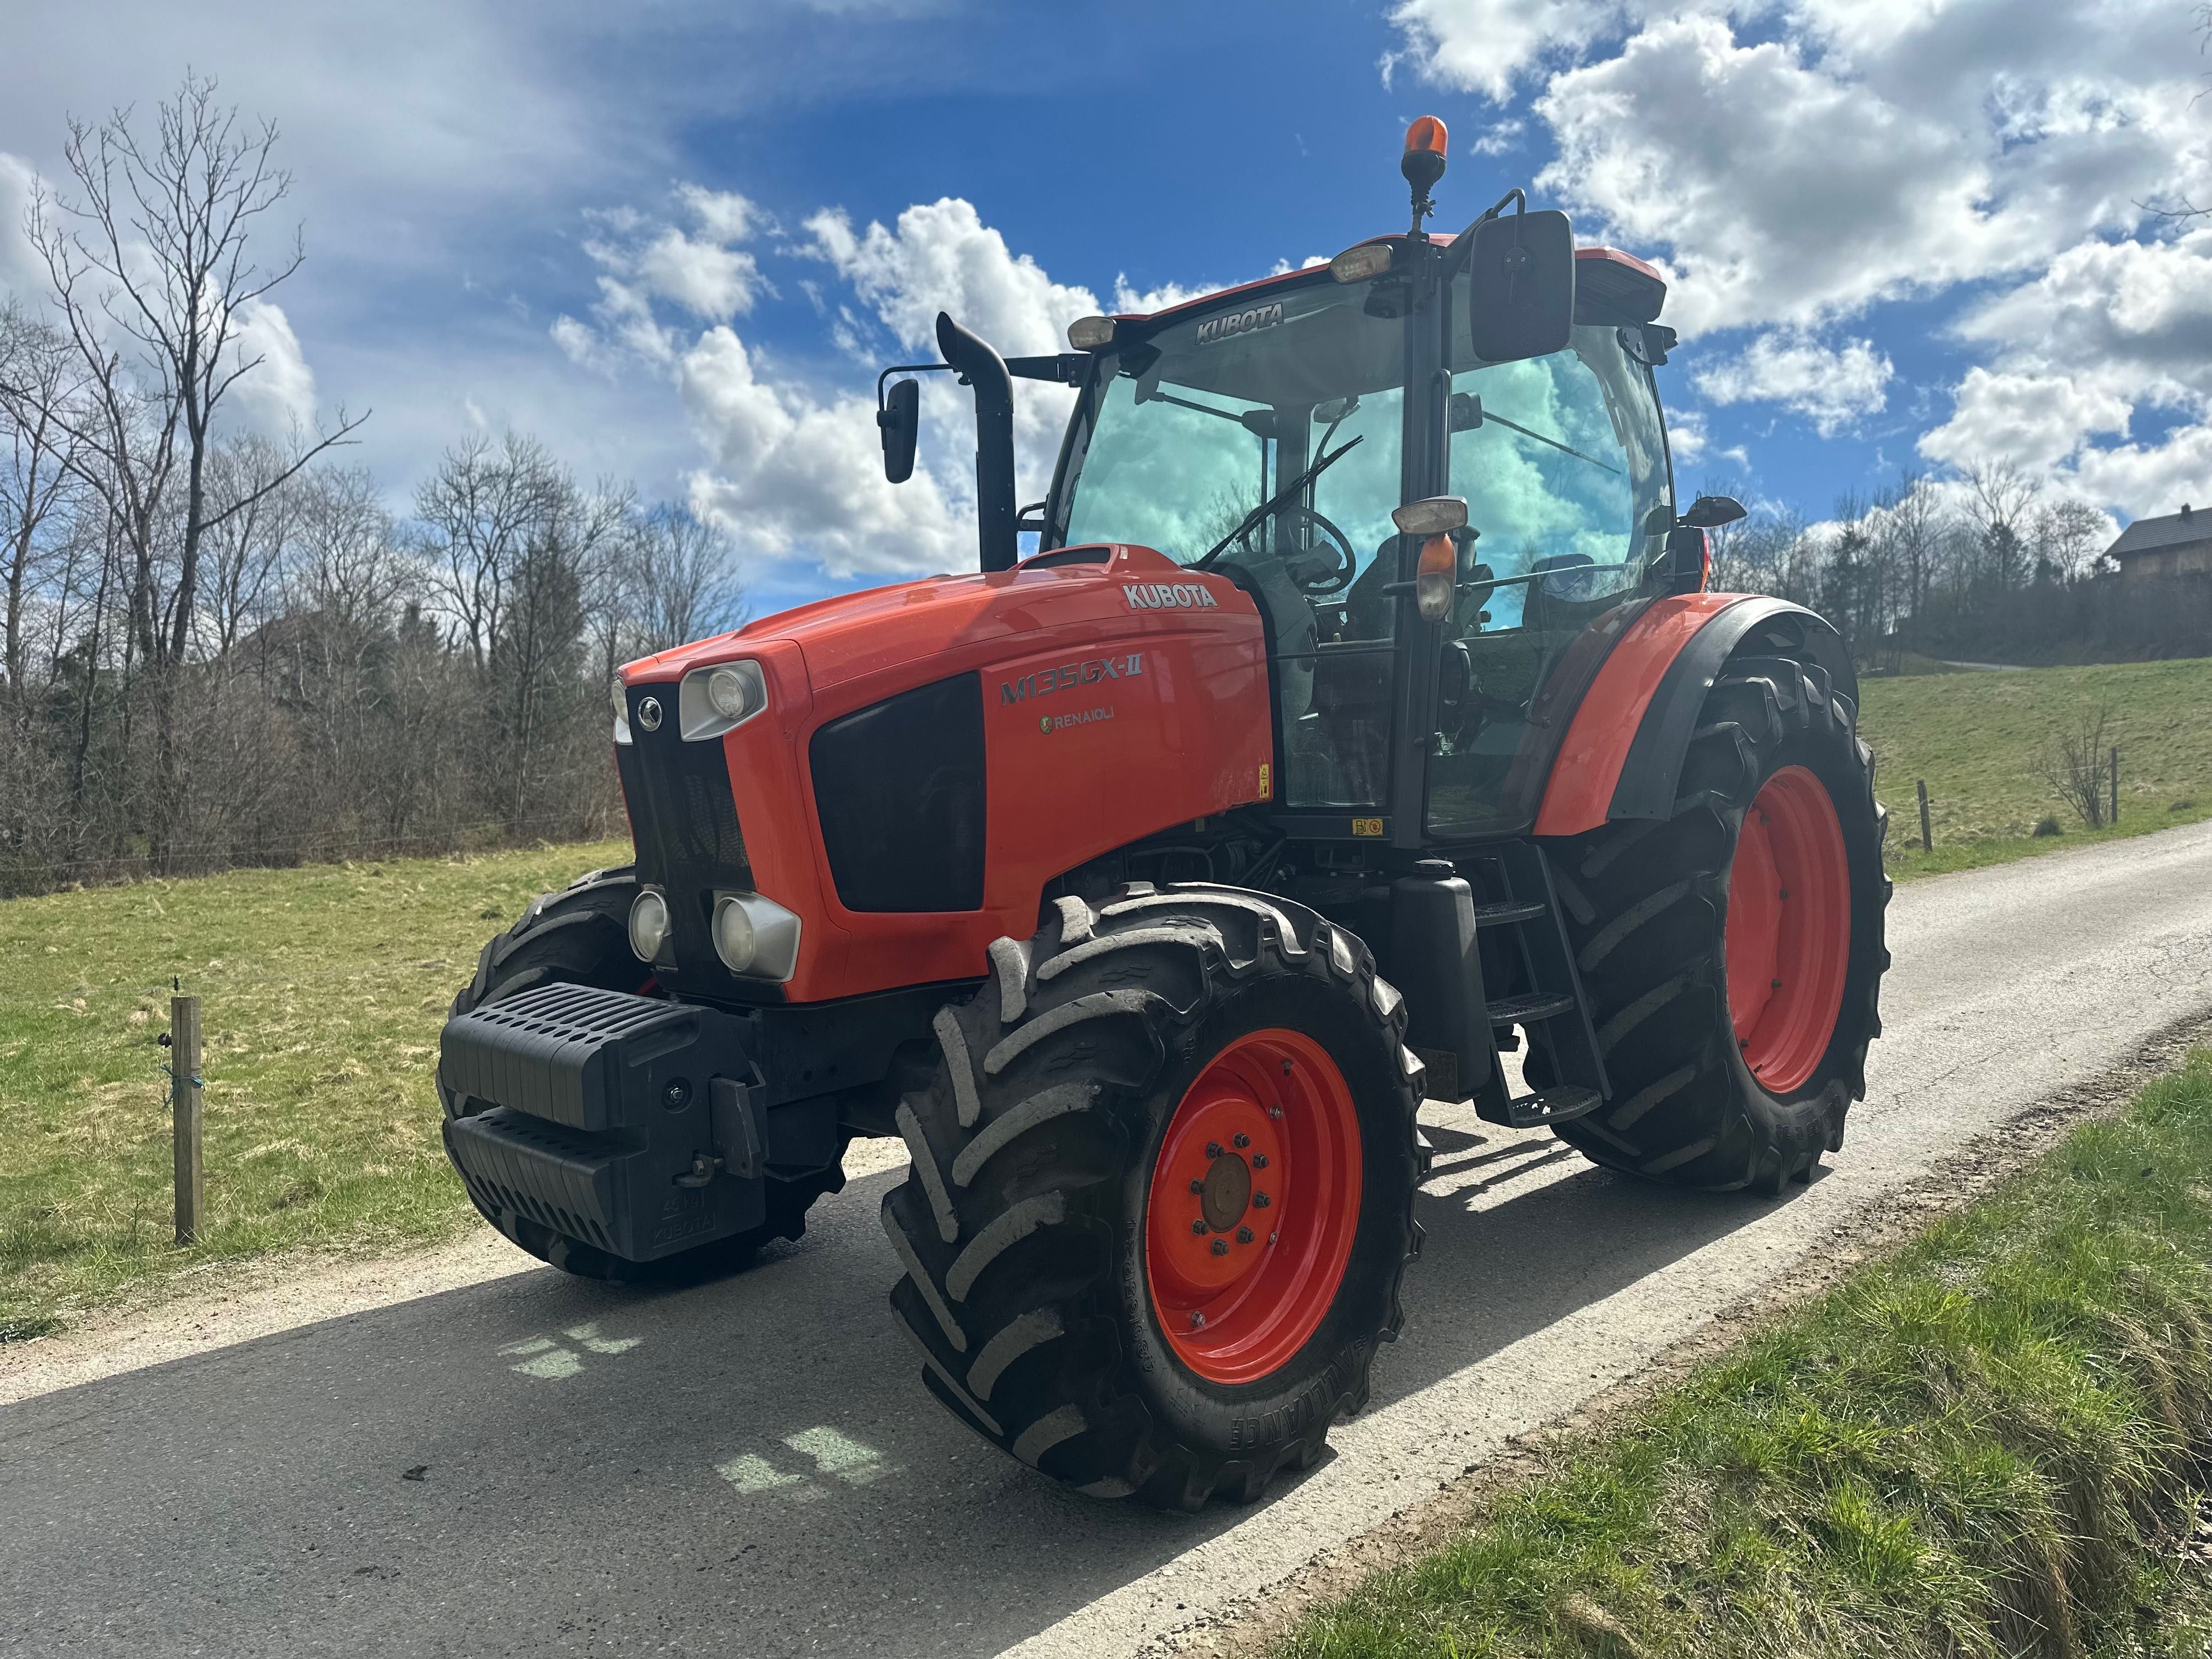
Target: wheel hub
1254	1205
1225	1191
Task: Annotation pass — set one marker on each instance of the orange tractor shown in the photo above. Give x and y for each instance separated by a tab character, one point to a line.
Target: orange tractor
1364	718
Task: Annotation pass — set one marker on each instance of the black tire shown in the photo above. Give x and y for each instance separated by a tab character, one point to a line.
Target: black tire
1647	906
1021	1221
580	936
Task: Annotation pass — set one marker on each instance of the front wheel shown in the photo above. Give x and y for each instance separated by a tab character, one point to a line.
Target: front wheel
1162	1193
1732	952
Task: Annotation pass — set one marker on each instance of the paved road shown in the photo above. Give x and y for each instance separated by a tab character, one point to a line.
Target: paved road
533	1465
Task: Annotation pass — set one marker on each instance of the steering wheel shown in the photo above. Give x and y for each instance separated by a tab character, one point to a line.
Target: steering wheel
1333	581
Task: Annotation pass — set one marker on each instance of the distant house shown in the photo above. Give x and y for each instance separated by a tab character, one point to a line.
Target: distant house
2178	545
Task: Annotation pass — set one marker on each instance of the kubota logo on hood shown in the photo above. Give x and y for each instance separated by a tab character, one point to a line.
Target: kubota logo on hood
1169	596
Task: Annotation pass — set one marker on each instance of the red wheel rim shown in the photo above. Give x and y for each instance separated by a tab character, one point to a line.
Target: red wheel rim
1789	929
1262	1159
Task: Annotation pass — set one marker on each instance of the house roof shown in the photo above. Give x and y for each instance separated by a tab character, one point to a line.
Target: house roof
2173	530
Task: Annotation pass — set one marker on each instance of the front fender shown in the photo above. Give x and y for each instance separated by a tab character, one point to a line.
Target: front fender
1623	754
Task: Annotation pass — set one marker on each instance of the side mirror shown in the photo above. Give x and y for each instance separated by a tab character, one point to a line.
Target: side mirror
900	418
1521	286
1711	512
1436	515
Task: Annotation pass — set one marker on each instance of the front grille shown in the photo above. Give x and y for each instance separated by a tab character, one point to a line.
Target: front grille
684	821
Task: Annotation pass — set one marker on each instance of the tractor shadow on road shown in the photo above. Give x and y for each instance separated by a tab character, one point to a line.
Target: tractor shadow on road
750	1460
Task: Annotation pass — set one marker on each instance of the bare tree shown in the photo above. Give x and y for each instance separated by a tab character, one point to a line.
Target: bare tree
152	272
35	470
2073	763
2066	535
479	512
682	584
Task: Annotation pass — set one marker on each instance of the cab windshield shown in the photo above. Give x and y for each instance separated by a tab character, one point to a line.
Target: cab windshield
1295	405
1215	417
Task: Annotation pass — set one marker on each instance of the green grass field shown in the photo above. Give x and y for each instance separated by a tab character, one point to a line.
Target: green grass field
323	990
1976	738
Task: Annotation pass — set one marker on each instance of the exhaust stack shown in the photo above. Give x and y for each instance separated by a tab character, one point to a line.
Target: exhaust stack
982	368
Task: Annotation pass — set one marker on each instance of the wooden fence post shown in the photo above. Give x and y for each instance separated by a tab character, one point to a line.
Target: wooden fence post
1927	841
185	1099
2115	813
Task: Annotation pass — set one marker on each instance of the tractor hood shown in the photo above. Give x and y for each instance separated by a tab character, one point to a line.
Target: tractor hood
853	635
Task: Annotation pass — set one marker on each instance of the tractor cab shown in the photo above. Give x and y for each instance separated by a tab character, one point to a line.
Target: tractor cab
1268	433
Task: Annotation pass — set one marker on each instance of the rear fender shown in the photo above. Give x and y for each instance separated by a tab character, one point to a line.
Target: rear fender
1624	752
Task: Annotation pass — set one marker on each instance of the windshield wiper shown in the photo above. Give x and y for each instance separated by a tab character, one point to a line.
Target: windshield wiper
1280	499
1488	419
1468	414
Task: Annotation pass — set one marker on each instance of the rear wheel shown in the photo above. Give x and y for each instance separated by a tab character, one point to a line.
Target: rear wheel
1733	953
580	936
1162	1193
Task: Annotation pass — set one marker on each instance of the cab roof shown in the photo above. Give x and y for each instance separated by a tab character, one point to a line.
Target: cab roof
1610	287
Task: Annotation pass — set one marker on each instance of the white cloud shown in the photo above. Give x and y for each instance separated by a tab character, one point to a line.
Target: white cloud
2035	421
1485	46
942	256
792	476
21	269
641	260
2108	329
1868	151
1499	138
794	470
276	397
1143	302
1832	387
2137	316
707	279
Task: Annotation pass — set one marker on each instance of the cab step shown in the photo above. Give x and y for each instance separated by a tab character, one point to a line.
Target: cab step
1539	1005
1539	1111
1509	911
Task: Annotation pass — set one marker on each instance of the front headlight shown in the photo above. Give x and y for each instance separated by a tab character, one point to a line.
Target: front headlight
649	925
755	937
713	701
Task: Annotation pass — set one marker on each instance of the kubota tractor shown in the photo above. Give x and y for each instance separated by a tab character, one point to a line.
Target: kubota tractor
1363	718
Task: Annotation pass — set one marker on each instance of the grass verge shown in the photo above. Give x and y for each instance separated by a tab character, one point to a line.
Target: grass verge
1990	1445
323	990
1976	740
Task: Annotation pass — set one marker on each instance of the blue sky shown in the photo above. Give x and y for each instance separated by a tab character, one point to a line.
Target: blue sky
676	242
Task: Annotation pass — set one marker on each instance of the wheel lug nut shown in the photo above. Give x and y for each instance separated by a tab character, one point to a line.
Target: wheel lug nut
1277	1111
1271	1237
1258	1160
1260	1200
1214	1149
1244	1235
1221	1247
1196	1185
1198	1226
1241	1140
1198	1322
